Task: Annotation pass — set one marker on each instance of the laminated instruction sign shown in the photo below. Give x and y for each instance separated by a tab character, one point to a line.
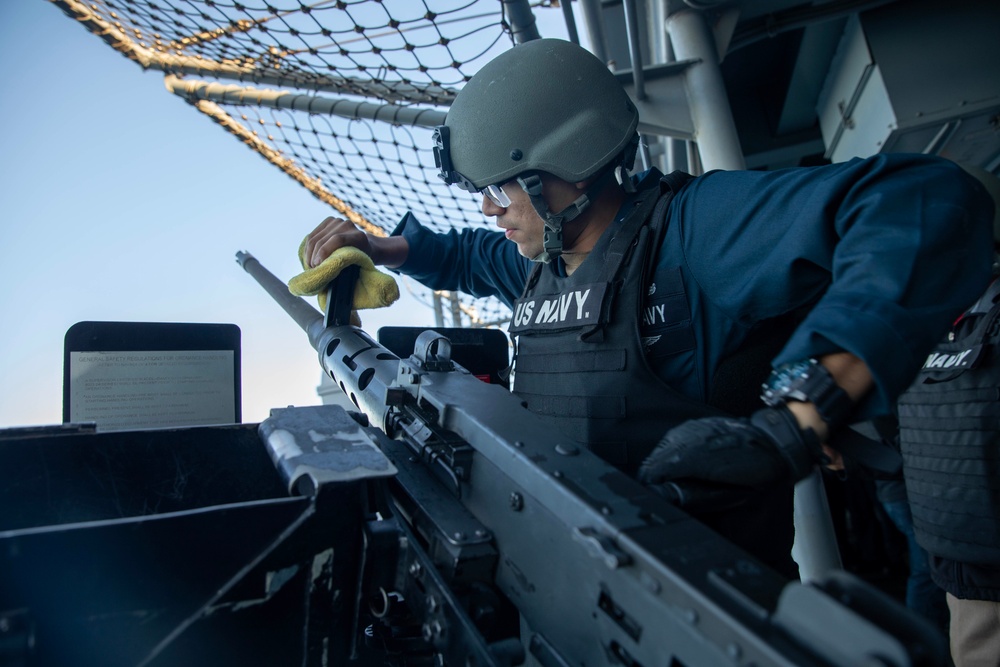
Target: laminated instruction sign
134	375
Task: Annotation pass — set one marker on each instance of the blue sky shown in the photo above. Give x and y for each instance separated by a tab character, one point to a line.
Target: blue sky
120	202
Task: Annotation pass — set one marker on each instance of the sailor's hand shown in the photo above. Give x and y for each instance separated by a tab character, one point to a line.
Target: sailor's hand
834	460
332	234
750	453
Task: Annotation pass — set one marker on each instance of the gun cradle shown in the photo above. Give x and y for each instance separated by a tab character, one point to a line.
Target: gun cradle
441	524
502	541
334	543
512	541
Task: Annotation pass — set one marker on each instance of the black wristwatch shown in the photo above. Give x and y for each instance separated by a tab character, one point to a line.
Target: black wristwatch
809	382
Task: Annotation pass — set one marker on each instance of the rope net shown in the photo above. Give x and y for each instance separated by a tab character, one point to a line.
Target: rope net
294	67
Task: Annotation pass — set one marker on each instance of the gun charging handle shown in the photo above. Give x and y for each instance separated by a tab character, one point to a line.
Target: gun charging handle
340	297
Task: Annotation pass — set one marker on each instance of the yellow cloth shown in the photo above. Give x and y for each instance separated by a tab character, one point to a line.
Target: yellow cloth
374	289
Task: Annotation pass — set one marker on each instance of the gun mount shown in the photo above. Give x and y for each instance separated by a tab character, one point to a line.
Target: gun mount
439	524
594	567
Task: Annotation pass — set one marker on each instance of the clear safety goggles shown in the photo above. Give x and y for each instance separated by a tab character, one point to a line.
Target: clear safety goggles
496	195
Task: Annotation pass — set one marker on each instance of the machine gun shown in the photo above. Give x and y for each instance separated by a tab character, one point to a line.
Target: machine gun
437	522
492	539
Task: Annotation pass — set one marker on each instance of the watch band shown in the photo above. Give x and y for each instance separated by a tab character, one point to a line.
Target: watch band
809	382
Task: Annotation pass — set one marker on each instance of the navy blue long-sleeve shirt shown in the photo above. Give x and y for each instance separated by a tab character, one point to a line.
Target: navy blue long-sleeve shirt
885	252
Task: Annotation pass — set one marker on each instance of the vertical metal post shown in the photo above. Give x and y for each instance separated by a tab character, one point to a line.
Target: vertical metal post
456	309
694	166
595	26
714	129
522	20
634	50
670	156
667	148
438	310
815	549
567	11
656	31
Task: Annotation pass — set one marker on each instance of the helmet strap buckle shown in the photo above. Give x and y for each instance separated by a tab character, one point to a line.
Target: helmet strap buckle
552	237
621	175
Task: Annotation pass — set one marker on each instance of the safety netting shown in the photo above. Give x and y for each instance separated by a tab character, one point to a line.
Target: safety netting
340	95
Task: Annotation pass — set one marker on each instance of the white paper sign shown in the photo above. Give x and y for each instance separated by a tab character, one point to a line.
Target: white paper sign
154	389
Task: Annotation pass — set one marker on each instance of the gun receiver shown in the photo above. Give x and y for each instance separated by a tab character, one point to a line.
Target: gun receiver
498	540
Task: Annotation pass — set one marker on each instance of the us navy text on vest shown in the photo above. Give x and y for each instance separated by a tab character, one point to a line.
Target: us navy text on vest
963	359
576	307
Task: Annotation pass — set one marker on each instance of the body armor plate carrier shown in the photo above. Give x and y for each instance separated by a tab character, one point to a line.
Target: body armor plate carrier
949	432
579	355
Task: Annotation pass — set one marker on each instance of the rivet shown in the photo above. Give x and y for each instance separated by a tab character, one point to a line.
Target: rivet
516	501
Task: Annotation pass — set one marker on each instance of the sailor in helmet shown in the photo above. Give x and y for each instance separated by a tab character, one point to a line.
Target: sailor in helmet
648	310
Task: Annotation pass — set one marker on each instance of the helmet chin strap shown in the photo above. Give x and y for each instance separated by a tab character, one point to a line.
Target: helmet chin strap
552	238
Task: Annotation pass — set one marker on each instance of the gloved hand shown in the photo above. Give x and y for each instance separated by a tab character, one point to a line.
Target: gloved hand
748	453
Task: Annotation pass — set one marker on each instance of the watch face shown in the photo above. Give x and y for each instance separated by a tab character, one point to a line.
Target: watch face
785	380
809	382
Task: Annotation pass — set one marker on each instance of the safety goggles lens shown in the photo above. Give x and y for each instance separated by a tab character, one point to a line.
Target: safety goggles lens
496	195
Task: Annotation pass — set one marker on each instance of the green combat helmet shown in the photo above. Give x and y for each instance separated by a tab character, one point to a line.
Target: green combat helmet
545	105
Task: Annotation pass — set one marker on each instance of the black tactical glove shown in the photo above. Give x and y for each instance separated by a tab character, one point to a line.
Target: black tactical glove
748	453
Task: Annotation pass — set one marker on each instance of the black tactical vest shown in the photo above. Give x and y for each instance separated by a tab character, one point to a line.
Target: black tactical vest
579	358
949	433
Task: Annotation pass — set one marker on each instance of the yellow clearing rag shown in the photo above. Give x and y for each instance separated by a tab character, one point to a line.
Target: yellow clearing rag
374	289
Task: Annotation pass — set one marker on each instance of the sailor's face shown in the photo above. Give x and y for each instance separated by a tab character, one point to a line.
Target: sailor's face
519	221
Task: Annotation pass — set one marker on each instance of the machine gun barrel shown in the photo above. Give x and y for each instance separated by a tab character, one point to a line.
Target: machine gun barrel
361	367
307	317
